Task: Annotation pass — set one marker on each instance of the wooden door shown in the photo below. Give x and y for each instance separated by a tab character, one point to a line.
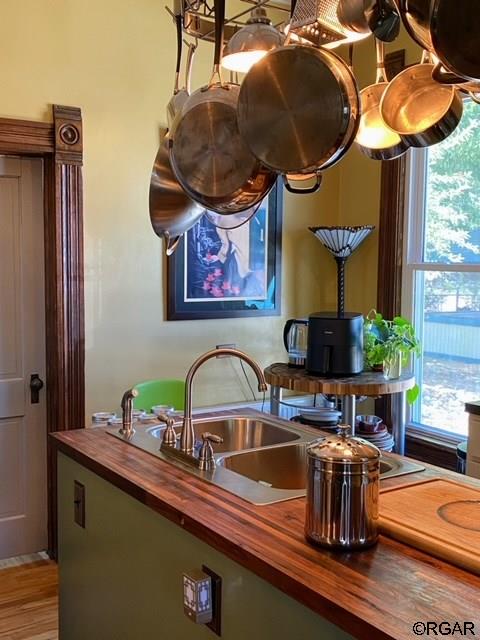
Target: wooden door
23	484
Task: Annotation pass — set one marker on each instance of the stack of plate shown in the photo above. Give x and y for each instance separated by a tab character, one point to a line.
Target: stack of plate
323	418
380	437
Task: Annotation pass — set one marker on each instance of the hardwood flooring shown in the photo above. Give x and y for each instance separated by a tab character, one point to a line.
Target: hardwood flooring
29	602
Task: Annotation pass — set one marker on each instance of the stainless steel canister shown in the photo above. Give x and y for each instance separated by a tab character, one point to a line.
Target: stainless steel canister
342	492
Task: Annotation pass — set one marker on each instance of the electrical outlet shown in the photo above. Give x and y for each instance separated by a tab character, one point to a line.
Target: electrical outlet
231	345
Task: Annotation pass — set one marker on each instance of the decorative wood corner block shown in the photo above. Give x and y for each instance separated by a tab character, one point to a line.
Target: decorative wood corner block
68	135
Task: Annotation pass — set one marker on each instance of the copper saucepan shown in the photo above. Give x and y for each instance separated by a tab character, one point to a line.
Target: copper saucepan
422	111
374	138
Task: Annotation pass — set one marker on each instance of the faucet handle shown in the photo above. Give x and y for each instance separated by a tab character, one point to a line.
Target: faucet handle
205	455
169	435
211	437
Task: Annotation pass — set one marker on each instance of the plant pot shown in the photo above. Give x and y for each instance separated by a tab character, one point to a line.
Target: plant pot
377	367
392	368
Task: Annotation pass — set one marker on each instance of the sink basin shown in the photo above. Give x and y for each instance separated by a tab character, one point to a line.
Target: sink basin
286	467
238	433
261	459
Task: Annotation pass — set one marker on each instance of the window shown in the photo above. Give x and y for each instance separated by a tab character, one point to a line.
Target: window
441	274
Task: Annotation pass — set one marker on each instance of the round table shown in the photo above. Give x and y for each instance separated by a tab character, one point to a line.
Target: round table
370	383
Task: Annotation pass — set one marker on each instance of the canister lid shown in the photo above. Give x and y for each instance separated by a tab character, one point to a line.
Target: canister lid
343	448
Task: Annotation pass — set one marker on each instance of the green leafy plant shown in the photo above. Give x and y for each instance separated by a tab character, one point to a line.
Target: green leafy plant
385	340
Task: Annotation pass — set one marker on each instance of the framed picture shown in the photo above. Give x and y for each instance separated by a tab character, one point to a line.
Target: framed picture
234	273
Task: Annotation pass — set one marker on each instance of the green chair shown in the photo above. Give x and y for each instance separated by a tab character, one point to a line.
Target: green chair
153	392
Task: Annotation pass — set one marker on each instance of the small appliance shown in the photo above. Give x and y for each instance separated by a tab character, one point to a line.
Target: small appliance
335	340
295	339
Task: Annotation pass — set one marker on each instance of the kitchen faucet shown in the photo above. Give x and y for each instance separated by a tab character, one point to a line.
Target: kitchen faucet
187	436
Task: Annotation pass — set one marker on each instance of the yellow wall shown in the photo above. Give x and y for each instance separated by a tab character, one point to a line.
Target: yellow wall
359	192
114	59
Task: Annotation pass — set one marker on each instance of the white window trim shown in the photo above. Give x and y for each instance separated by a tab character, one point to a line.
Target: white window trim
413	243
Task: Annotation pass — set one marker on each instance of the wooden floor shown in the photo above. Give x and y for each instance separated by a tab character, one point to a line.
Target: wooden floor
29	602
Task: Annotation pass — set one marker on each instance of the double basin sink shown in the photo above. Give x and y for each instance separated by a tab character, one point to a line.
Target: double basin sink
261	459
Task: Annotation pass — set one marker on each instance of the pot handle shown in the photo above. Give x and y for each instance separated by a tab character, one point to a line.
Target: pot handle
443	76
178	23
171	243
311	189
219	7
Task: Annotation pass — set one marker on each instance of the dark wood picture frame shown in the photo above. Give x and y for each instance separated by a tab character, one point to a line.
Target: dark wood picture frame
60	144
180	309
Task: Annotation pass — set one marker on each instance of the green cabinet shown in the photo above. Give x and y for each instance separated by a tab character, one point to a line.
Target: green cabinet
121	576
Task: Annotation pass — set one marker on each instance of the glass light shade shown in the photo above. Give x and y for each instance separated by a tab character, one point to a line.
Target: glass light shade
250	43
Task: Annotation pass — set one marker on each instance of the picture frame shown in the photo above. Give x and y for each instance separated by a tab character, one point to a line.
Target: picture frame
236	273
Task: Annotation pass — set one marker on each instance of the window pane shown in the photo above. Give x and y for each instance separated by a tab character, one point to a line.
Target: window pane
447	318
452	223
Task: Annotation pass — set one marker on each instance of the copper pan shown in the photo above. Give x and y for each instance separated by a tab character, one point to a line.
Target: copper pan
299	110
374	138
422	111
172	211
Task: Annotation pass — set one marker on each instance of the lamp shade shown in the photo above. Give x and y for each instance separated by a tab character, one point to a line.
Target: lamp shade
249	44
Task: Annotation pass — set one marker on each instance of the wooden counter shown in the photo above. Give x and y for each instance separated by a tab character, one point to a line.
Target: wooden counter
378	593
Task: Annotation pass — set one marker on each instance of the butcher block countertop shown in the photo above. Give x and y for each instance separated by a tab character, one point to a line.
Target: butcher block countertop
377	593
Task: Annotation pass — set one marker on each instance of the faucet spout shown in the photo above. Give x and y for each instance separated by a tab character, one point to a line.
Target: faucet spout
187	437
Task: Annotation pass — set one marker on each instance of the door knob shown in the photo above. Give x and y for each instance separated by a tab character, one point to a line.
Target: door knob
36	384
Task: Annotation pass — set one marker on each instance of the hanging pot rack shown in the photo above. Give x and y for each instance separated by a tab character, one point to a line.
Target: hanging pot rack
199	17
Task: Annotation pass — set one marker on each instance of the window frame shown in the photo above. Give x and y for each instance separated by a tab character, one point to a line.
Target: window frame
415	195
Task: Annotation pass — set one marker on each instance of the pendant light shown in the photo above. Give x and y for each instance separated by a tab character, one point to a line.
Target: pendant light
249	44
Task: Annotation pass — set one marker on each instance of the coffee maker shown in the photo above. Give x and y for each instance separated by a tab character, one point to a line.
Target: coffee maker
335	339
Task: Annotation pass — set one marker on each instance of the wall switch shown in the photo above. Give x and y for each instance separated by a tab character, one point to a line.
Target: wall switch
231	345
79	503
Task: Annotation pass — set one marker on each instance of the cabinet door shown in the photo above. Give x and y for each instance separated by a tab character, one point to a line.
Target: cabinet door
121	576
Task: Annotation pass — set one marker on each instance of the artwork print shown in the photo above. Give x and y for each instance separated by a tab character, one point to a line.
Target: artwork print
220	273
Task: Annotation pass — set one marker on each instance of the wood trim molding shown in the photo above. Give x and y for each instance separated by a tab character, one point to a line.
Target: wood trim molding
60	143
26	138
390	250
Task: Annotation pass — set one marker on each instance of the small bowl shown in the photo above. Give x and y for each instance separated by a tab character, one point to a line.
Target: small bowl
369	424
102	417
162	408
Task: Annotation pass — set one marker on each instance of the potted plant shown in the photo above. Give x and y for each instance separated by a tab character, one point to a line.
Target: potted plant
388	345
